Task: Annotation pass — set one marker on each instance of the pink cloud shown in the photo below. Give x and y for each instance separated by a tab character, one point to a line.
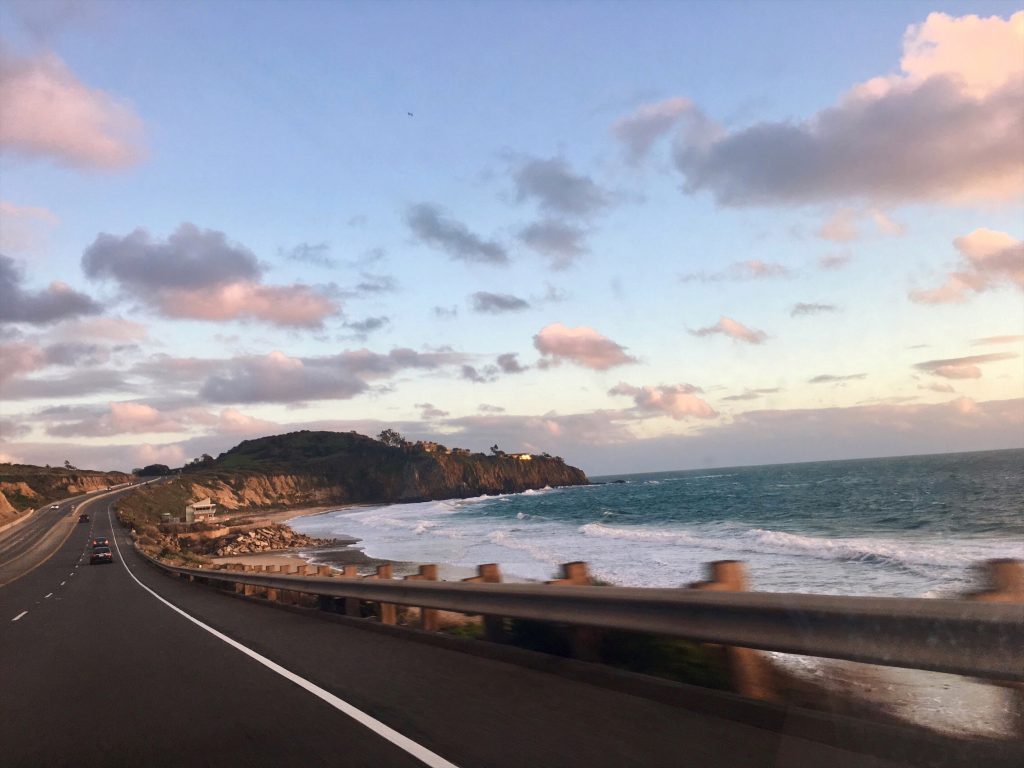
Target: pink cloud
234	422
22	227
734	330
49	113
750	269
288	305
647	123
897	138
581	345
962	367
990	259
18	358
676	400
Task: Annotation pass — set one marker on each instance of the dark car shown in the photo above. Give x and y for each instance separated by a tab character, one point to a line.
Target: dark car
83	518
101	555
100	541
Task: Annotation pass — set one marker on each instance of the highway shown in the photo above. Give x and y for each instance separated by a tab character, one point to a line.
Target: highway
119	665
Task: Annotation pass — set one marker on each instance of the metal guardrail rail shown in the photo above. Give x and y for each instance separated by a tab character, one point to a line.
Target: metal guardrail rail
961	637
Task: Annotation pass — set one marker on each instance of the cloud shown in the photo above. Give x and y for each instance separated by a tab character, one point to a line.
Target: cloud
801	309
679	401
369	325
471	373
557	190
58	302
109	328
897	139
998	340
752	394
49	113
78	384
316	254
117	419
428	412
22	226
509	363
828	378
962	367
487	408
833	261
751	269
197	274
445	313
496	303
844	224
647	123
734	330
431	226
562	243
12	430
581	345
280	378
371	283
937	387
990	259
18	358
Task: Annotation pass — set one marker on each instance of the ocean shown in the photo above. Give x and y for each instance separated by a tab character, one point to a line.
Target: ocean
908	526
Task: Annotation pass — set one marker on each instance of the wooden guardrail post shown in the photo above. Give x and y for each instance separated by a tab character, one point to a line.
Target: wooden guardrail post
428	616
351	603
388	611
748	669
584	642
1005	578
494	626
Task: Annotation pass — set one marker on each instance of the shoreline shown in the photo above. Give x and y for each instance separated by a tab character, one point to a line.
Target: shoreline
946	704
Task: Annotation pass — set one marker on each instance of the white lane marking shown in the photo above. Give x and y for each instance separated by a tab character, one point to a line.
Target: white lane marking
418	751
63	583
49	595
19	615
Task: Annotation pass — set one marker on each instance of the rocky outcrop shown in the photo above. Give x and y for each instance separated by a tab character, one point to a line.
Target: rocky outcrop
269	539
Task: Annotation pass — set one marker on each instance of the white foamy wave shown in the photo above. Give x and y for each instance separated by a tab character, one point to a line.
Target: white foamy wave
902	554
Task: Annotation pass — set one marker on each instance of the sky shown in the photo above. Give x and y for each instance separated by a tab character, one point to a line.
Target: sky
641	236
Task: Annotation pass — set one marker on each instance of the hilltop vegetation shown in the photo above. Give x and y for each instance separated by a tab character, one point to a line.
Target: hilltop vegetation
24	486
317	468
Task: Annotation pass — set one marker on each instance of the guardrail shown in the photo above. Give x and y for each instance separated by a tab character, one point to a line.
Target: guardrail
965	637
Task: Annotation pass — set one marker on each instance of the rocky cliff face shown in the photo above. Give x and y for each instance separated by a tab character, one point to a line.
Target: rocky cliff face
323	468
24	487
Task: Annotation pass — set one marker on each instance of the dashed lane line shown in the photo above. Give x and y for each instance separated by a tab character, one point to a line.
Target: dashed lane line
49	595
19	615
404	743
63	583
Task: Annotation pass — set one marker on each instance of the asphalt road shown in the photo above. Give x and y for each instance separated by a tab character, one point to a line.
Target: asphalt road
119	665
27	544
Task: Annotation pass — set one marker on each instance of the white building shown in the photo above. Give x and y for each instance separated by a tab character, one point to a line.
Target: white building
200	510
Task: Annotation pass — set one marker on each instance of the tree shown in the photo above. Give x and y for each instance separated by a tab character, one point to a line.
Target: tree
69	465
392	438
496	450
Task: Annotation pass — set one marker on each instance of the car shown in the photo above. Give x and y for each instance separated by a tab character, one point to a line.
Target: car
101	555
100	541
55	506
83	518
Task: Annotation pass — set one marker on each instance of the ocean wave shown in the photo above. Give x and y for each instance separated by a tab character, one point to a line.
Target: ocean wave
907	555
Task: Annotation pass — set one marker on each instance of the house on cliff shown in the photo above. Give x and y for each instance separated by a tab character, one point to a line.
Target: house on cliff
200	510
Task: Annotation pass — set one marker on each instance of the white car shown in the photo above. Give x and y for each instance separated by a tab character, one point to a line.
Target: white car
55	506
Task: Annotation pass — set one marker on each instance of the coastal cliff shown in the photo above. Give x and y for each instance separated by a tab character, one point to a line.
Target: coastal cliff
24	487
321	468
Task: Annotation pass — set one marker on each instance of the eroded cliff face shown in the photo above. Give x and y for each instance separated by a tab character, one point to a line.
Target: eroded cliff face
24	487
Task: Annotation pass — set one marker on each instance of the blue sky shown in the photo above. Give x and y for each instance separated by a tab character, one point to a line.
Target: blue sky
729	236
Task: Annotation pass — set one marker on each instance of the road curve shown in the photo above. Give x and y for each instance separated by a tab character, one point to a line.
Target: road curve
118	664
